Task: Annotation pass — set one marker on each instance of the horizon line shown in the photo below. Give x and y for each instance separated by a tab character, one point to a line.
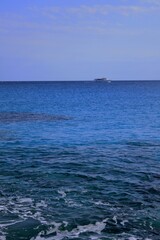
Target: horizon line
87	80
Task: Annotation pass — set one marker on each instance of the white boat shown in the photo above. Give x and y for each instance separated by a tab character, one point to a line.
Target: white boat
102	80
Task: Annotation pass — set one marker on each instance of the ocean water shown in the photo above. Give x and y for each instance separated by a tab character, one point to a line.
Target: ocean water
80	160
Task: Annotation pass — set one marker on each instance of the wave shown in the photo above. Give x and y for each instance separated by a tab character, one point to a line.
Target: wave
12	117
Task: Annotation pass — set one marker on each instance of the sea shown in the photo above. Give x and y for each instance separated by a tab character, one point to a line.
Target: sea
80	160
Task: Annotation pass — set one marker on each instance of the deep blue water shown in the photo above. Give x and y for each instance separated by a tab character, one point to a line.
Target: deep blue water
80	160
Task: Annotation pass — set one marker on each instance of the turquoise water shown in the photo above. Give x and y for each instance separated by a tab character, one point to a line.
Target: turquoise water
80	160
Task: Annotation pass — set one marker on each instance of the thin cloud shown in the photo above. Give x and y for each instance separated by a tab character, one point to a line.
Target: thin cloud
86	18
152	2
100	9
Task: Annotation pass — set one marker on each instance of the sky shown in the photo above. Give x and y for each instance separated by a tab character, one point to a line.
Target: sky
57	40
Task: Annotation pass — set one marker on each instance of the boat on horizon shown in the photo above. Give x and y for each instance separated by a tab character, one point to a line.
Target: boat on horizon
102	80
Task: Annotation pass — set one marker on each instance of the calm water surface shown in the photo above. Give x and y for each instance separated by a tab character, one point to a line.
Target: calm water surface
80	160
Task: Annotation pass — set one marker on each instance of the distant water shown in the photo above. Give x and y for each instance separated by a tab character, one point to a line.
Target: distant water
80	160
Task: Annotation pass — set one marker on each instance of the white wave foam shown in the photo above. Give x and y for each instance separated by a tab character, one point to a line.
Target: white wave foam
71	203
41	204
115	219
91	237
2	237
3	225
3	208
132	238
123	222
60	235
23	209
101	203
62	193
136	238
25	200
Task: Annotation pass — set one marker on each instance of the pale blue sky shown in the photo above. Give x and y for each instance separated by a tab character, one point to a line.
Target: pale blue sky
79	40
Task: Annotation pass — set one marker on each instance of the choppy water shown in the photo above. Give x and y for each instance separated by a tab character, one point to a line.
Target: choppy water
80	160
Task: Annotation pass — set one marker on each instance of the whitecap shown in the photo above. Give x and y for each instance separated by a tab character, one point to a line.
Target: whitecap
115	219
25	200
62	193
101	203
2	237
23	209
132	238
123	222
41	204
97	228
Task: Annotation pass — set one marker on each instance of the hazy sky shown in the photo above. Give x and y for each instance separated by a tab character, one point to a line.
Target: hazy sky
79	40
